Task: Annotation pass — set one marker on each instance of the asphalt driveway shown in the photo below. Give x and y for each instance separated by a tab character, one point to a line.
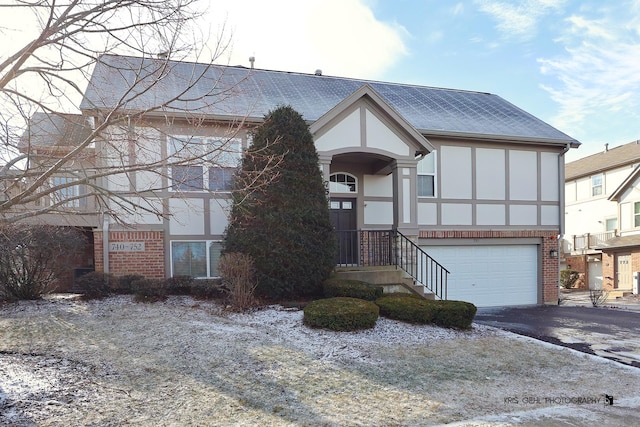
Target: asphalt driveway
613	333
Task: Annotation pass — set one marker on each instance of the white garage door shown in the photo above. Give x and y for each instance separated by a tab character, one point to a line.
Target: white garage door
490	275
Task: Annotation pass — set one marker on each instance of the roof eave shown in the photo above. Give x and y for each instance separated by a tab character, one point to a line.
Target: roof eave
506	138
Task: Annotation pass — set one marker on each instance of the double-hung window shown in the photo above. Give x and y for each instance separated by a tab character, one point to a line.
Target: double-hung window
596	185
203	163
68	192
427	176
636	214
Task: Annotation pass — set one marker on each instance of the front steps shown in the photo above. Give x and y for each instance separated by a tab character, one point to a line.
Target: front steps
390	278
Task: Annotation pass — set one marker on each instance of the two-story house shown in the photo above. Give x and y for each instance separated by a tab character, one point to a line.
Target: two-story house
597	212
467	177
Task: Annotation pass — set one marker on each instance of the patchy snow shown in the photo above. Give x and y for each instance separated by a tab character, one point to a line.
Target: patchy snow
189	362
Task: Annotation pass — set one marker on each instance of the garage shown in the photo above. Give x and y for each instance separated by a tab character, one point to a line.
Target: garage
490	275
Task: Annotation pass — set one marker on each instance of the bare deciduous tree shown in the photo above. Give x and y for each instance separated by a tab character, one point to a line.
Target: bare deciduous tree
142	109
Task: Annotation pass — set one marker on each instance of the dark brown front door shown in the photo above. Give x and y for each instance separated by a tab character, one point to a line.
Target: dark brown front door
345	222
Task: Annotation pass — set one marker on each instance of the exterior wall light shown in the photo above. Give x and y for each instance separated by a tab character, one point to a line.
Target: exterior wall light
553	253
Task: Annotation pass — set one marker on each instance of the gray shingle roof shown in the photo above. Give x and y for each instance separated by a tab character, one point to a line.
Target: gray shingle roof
242	92
56	130
616	157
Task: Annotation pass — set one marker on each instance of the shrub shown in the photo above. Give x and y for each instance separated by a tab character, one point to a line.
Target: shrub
149	290
124	284
351	288
447	314
96	284
180	285
341	314
454	314
33	257
284	223
238	277
208	289
568	278
407	308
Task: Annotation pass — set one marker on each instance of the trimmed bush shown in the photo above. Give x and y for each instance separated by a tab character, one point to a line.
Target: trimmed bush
125	283
96	284
351	288
447	314
568	278
454	314
407	309
208	289
341	314
149	290
180	285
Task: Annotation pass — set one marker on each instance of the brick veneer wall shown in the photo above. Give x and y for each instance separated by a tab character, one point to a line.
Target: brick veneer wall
550	266
149	263
579	264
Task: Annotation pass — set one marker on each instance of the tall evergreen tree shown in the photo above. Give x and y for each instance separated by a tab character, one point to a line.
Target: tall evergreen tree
285	225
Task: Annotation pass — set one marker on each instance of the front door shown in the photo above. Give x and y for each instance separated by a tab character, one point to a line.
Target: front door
625	275
345	222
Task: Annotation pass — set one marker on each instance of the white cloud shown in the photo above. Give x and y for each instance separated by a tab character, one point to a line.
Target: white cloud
341	37
598	79
519	20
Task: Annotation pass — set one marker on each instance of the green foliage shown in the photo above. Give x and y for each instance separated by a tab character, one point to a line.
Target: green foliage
149	290
407	309
96	284
341	314
568	278
454	314
281	218
351	288
33	257
448	313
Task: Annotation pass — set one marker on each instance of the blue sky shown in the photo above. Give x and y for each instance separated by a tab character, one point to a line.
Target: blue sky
573	64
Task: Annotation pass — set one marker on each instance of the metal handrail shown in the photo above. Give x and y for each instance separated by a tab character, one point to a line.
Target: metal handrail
392	248
421	267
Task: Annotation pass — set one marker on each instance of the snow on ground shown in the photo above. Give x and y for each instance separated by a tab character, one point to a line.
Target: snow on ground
189	362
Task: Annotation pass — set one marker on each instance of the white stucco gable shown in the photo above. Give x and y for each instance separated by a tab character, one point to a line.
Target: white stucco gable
364	122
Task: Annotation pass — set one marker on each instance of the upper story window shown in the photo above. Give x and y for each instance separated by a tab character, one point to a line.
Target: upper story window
596	185
207	163
636	214
611	224
343	183
427	176
69	193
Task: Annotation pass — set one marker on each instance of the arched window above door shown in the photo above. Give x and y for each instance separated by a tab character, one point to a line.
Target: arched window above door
341	182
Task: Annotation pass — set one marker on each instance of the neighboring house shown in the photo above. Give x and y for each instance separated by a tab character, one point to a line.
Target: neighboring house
600	217
469	178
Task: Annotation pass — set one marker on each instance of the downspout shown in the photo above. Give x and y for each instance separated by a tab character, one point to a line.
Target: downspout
561	200
105	243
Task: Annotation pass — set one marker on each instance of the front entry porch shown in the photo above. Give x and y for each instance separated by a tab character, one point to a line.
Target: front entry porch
370	249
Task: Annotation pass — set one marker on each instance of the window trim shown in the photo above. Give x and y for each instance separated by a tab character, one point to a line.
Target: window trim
205	141
62	194
207	244
333	184
599	186
434	174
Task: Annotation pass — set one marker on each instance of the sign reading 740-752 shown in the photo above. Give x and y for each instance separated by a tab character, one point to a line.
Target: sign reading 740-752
126	246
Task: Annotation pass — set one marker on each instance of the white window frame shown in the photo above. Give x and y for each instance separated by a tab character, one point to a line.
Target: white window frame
428	166
204	146
606	223
597	188
338	186
208	254
70	192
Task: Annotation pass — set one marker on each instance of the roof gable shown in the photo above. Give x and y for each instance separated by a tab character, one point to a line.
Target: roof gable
630	181
368	119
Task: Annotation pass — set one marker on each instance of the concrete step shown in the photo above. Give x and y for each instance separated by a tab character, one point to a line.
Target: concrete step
392	280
